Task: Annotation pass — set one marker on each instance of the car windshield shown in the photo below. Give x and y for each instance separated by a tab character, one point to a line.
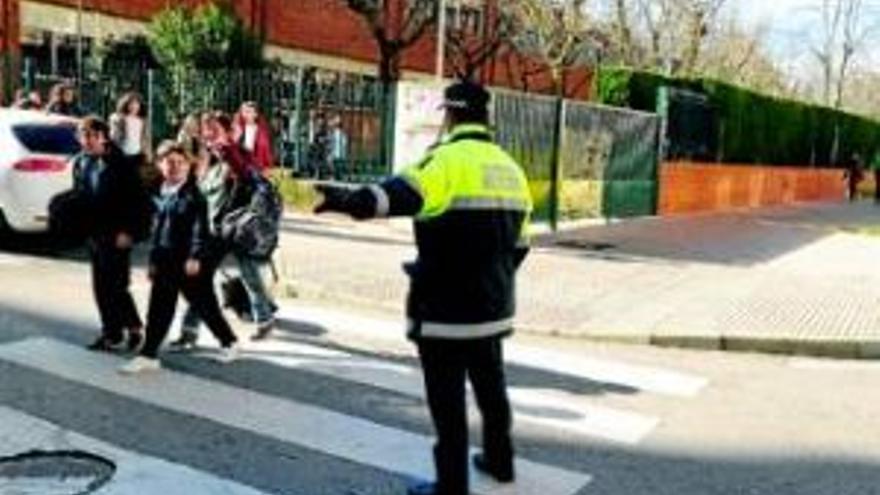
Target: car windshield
53	139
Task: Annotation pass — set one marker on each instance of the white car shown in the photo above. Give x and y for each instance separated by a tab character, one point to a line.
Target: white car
35	149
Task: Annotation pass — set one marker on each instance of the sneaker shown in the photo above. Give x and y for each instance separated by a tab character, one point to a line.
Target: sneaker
263	330
185	343
104	344
229	353
500	473
135	340
140	364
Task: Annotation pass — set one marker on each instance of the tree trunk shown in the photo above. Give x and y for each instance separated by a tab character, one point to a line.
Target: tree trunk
623	31
389	73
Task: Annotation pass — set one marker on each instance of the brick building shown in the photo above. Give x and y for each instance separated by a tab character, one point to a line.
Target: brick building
321	33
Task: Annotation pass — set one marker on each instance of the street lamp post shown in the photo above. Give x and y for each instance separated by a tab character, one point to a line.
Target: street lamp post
441	37
79	41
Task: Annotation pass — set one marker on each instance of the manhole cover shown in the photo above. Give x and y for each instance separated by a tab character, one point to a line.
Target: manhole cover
54	473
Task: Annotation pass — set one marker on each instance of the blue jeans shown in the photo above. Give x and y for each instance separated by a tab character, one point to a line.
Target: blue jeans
262	305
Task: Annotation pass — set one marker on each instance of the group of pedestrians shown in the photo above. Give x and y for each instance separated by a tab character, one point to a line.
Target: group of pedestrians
471	205
62	100
206	183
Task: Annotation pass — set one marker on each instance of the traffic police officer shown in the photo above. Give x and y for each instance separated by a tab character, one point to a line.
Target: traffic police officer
471	205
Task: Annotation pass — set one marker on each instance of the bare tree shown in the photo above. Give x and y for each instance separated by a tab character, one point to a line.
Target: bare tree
700	17
396	25
559	32
738	55
473	40
845	32
663	34
862	95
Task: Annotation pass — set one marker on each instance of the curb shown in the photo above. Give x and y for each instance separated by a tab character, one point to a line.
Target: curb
816	347
789	346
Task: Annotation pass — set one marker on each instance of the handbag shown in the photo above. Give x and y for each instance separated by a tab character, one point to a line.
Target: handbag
235	296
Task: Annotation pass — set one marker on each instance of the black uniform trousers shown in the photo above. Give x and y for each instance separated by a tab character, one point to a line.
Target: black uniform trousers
170	280
447	364
111	277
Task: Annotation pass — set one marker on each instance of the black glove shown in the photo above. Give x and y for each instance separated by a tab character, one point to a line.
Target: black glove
335	198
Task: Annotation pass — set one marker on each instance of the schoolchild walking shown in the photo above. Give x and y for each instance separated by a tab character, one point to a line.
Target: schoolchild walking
226	181
112	193
180	246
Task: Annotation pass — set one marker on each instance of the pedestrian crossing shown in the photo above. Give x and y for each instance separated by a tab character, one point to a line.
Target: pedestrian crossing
555	409
579	417
646	378
323	430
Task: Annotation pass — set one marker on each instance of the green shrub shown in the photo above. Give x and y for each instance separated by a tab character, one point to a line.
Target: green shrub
752	127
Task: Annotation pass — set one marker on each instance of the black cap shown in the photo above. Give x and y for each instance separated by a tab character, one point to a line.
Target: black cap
466	96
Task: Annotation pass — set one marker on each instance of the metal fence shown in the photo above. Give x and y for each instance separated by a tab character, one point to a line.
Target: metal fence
526	126
325	123
607	157
609	162
582	160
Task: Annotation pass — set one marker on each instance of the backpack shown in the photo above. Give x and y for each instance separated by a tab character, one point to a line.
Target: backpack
235	296
70	216
253	229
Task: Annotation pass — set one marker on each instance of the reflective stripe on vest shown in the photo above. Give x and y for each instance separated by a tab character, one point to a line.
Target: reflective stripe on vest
462	331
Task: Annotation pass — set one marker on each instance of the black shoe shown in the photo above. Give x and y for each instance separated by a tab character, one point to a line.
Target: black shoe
264	330
104	344
186	342
501	473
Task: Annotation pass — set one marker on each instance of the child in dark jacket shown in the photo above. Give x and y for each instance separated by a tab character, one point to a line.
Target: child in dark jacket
111	193
180	246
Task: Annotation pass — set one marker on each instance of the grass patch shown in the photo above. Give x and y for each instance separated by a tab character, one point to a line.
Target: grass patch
298	195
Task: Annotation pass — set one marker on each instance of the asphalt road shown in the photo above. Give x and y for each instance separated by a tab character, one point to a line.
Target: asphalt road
332	406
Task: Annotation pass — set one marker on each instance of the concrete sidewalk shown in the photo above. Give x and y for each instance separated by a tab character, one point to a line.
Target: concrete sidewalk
800	280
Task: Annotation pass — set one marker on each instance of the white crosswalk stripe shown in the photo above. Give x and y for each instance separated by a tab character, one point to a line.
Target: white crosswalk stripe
555	409
135	474
297	423
644	378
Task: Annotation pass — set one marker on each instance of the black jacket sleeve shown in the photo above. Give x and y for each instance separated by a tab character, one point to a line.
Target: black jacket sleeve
199	242
393	198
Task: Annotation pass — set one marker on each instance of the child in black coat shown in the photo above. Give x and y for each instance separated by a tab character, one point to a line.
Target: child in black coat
110	194
180	246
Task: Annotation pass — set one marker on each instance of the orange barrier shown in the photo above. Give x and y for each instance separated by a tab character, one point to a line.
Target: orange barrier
697	187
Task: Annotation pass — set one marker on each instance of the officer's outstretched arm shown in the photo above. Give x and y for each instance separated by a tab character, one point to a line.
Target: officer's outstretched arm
393	198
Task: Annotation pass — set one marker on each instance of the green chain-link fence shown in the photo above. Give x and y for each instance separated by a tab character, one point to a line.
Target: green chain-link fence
607	161
525	126
582	160
325	123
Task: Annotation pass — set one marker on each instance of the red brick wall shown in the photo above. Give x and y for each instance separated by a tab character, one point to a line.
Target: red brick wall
328	27
9	45
695	188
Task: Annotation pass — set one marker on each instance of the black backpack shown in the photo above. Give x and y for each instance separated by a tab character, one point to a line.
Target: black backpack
253	229
70	216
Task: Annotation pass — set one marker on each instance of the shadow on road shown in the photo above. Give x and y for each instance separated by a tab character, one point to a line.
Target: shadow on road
682	468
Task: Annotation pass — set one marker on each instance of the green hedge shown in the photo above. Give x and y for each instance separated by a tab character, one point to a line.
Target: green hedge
753	128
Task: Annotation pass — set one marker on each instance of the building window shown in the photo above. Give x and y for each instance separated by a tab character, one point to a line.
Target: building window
465	18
